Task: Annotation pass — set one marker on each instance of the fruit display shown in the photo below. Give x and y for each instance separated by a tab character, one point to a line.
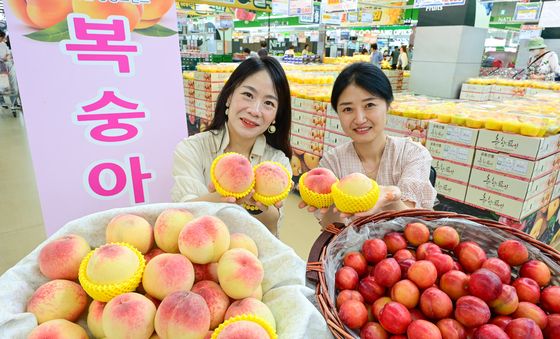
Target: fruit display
411	278
546	85
347	59
216	68
533	116
353	193
201	281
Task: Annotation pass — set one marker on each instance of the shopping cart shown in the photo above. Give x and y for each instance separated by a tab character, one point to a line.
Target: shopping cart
9	93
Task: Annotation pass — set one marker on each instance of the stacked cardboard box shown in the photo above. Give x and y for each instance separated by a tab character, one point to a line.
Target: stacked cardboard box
207	87
513	175
452	149
334	135
475	92
416	129
308	125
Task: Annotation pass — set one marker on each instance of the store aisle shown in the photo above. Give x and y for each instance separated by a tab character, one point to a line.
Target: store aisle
21	222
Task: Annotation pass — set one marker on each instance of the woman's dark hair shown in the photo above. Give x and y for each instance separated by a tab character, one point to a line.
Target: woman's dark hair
2	34
246	50
306	45
366	76
374	46
403	48
281	138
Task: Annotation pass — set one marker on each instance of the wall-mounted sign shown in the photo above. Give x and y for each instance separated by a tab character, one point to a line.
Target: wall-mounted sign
550	14
527	12
301	7
437	3
341	5
280	7
253	5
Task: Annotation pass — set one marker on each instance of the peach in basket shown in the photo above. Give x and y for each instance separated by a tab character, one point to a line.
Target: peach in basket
245	326
355	193
315	187
110	270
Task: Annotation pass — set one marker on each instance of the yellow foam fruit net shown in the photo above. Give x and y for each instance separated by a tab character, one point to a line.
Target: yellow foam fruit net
268	201
319	200
351	204
246	317
222	191
106	292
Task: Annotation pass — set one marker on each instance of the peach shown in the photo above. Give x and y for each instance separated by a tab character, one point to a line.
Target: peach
406	293
95	318
251	306
41	13
395	318
426	249
536	270
527	290
451	329
270	179
204	239
500	267
58	299
242	240
485	285
129	315
401	255
370	289
154	252
131	229
422	329
216	299
243	329
345	295
507	302
112	263
405	266
523	328
378	305
61	258
457	266
416	233
240	273
471	257
353	314
320	180
357	261
550	299
168	226
423	273
168	273
394	241
454	284
442	262
489	331
552	329
375	250
513	252
435	304
234	173
501	321
446	237
346	278
153	12
373	330
58	329
355	184
531	311
206	272
387	272
471	311
182	315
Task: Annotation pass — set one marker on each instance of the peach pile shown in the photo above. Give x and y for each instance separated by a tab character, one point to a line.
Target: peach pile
197	278
420	285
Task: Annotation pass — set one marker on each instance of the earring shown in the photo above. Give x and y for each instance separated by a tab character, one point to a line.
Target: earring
227	109
272	128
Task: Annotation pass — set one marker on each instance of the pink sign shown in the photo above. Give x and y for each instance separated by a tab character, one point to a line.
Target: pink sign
101	86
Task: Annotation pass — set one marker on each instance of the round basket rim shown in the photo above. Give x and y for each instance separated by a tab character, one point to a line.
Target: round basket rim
327	306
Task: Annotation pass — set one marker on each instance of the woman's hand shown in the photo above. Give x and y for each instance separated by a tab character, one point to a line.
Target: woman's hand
312	209
388	196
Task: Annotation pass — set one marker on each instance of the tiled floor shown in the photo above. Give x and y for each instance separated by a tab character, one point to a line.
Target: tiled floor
21	223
